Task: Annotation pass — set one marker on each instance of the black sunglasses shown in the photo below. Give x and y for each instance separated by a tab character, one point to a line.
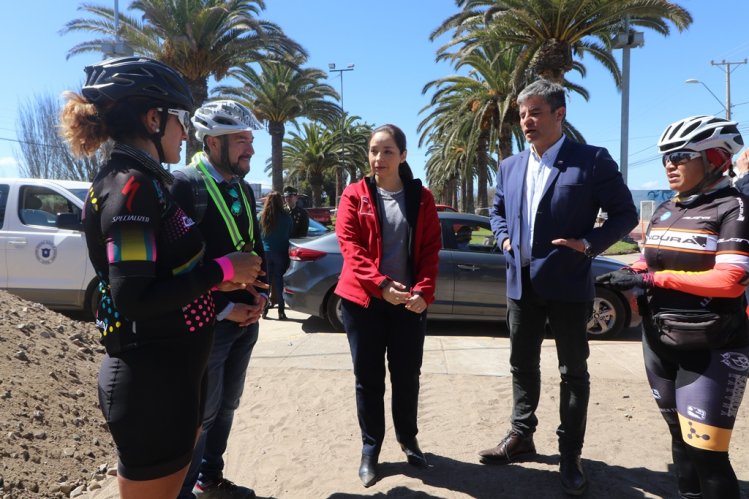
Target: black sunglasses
677	158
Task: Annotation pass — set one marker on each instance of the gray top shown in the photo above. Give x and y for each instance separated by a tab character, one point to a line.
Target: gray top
394	263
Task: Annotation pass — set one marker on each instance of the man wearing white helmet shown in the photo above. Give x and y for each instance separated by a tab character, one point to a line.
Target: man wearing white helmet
695	268
211	190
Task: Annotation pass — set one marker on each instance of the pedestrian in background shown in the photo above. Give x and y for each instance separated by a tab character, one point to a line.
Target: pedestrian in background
694	268
276	226
390	237
156	314
544	219
299	215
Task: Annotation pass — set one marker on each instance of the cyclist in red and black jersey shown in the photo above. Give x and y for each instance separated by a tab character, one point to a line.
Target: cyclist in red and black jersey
156	313
695	267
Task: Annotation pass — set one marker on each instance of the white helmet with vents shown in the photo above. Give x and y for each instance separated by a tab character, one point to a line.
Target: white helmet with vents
700	133
223	117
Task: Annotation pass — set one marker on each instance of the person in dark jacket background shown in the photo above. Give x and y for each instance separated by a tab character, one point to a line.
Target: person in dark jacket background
390	238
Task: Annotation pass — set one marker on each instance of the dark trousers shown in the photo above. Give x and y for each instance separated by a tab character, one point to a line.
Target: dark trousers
276	264
374	332
227	369
526	320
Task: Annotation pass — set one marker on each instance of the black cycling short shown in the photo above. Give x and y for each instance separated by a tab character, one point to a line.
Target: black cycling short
700	390
152	399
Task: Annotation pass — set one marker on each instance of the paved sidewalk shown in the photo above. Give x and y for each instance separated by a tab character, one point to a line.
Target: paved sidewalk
450	348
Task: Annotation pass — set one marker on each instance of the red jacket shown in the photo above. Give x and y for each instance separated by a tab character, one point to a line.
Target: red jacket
359	236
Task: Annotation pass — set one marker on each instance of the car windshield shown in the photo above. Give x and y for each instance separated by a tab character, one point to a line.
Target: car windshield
316	228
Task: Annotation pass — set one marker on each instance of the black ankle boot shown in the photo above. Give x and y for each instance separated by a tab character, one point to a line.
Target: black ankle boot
368	470
414	456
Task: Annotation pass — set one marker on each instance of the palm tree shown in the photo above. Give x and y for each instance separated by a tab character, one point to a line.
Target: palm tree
199	38
550	34
282	92
309	155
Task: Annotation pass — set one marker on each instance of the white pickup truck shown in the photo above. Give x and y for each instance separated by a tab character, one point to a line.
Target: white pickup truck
43	254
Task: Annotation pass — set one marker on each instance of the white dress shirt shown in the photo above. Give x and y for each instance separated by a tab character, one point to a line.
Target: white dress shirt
536	176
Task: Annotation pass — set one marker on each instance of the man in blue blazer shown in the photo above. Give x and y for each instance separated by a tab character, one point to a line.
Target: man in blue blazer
543	218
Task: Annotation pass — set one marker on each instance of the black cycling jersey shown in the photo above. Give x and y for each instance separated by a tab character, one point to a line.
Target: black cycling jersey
148	257
693	236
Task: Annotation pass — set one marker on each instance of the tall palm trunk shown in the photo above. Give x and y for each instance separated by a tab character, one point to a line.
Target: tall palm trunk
276	130
199	89
482	160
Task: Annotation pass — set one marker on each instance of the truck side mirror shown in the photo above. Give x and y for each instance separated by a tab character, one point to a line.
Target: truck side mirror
69	221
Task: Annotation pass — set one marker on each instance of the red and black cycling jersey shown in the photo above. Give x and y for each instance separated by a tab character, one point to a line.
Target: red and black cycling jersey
148	256
699	251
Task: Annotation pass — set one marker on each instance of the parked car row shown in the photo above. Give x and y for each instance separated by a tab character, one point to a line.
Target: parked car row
43	258
470	283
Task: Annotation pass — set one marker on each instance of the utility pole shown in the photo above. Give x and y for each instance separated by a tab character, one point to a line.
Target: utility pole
728	71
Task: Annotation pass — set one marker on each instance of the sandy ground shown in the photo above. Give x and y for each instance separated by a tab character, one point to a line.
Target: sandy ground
295	434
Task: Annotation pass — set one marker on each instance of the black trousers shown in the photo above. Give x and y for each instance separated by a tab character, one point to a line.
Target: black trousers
374	332
526	320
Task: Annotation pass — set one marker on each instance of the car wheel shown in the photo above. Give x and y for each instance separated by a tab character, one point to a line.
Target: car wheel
93	295
608	316
333	312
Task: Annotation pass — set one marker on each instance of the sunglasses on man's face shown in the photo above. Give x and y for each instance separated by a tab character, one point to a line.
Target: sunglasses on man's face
680	157
182	115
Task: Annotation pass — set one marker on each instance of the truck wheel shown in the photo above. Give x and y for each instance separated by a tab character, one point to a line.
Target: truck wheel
93	295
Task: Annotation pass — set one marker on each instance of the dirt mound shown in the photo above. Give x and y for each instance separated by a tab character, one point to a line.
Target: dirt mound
53	440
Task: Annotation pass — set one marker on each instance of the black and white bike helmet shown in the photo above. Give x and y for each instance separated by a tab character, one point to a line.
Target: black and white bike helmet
223	117
700	133
115	79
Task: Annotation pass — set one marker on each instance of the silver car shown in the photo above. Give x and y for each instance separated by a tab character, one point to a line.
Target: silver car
470	282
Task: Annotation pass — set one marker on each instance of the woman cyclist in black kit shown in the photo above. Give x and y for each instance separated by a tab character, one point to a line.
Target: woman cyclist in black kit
695	266
156	313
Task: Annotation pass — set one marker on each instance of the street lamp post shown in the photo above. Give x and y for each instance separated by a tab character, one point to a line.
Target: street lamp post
728	70
725	108
339	172
626	40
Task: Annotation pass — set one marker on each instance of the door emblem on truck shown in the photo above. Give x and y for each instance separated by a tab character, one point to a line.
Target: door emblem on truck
46	252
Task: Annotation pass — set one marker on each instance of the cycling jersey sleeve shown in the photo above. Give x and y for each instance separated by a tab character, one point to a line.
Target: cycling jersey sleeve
131	224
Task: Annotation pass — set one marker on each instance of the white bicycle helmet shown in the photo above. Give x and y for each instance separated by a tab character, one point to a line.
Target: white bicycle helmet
700	133
223	117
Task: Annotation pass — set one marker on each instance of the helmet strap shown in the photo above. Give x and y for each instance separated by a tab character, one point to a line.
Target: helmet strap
159	133
712	174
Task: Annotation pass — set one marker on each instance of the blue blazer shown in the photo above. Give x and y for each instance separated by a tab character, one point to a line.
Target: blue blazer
583	180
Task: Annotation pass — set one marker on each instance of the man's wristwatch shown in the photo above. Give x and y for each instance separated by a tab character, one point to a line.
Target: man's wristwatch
384	283
588	249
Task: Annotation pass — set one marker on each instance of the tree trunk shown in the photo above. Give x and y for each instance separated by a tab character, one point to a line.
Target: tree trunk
316	184
276	131
482	158
199	89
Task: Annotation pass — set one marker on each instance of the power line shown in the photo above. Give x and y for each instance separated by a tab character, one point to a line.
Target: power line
31	143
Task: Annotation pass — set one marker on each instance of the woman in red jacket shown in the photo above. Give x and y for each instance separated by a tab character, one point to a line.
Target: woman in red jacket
390	237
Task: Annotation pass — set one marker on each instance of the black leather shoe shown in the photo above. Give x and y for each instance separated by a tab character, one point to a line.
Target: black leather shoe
281	315
572	475
514	447
368	470
414	456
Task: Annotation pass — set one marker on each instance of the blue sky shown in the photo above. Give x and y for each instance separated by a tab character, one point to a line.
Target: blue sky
388	41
